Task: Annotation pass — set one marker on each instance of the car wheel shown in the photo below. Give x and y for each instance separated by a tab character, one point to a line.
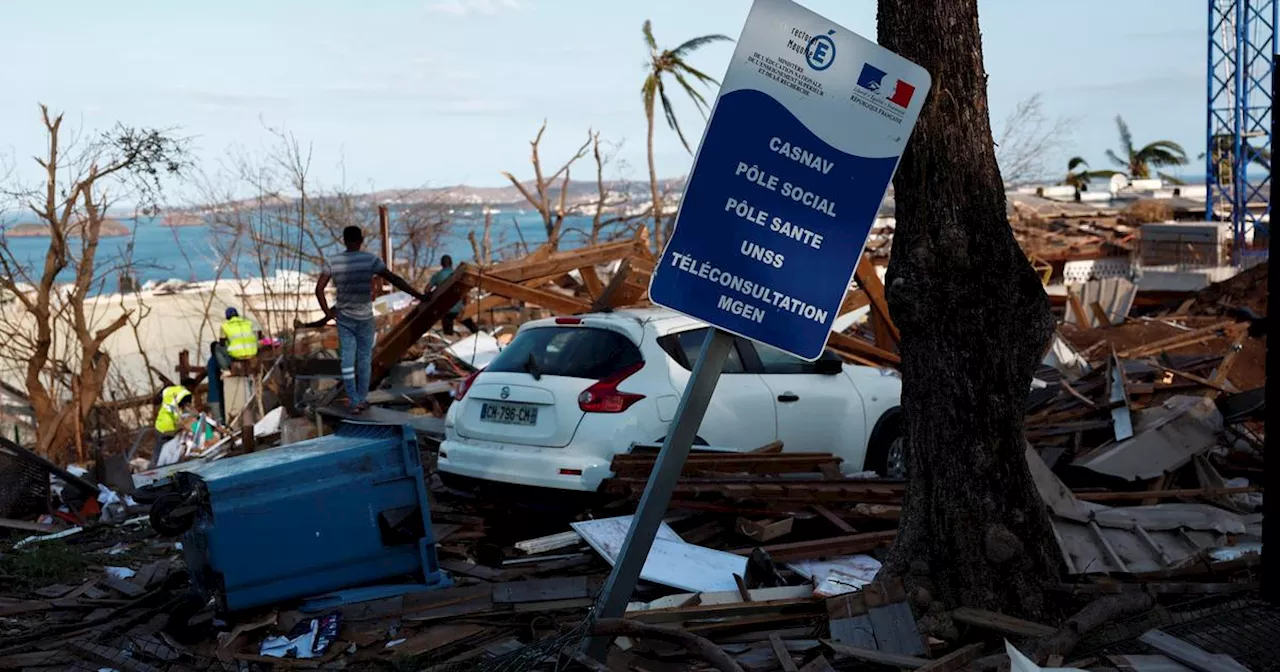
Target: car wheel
895	462
887	453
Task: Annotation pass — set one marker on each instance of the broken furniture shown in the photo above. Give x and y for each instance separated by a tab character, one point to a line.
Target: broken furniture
339	511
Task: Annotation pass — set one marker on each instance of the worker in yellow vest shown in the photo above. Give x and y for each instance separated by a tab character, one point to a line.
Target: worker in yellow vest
239	337
172	416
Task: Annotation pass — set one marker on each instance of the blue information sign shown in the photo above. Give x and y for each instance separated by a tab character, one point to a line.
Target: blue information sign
802	144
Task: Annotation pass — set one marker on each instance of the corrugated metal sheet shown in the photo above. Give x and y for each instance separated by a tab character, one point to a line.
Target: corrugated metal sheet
1114	295
1099	539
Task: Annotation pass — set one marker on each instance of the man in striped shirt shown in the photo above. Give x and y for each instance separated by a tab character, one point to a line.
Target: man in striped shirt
352	273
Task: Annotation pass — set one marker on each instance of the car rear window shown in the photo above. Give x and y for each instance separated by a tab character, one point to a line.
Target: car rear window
574	352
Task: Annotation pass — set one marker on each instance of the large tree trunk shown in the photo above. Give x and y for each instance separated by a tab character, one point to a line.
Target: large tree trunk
974	321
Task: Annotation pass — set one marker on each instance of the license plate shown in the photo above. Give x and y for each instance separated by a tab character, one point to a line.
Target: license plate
509	414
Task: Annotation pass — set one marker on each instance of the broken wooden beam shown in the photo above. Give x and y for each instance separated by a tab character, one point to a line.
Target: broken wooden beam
832	547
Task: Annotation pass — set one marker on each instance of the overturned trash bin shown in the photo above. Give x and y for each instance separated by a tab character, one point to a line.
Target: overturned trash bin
339	511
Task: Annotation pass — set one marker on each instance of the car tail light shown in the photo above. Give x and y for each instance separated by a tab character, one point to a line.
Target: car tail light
568	320
466	385
604	397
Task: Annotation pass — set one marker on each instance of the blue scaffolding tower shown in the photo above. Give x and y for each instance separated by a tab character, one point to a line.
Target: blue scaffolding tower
1242	39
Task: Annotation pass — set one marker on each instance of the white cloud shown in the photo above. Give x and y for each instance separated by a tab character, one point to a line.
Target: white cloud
485	7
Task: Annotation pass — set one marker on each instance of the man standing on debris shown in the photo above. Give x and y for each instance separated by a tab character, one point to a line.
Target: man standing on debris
446	270
352	272
238	336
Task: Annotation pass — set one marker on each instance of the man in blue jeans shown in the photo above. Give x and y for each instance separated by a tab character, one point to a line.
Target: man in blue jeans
352	272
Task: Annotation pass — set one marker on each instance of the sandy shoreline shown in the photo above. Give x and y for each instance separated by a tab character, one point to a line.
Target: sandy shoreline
177	316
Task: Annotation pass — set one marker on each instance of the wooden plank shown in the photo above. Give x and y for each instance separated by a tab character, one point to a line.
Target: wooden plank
1077	309
895	629
873	656
111	656
591	281
832	547
549	543
1189	654
870	282
850	345
997	622
1177	341
391	348
818	664
853	300
803	606
608	298
122	586
835	520
856	631
955	661
26	526
552	301
436	637
1099	315
1182	493
34	659
542	590
558	263
768	448
447	603
780	651
764	530
1220	374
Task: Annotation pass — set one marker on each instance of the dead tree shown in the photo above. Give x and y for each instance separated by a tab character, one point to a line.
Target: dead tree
609	219
975	321
1028	140
482	247
65	365
552	208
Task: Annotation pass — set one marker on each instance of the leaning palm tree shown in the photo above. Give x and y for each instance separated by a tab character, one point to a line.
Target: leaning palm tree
664	63
1137	163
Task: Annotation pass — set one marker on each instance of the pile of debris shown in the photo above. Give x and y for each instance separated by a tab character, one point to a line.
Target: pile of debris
1144	440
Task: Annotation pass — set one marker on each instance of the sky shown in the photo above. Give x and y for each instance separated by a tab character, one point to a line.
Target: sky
411	93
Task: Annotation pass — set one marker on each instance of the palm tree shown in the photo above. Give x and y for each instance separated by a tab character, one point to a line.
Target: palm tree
1137	163
662	63
1078	173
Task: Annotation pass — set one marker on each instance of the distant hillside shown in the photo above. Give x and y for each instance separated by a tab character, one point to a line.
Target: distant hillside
580	192
111	228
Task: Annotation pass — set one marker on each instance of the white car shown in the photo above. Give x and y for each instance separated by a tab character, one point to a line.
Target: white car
569	393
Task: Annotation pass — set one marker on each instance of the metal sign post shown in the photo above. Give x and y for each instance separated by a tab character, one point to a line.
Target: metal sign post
803	140
657	493
1271	475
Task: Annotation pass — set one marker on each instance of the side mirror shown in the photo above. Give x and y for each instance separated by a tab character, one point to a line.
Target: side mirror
828	367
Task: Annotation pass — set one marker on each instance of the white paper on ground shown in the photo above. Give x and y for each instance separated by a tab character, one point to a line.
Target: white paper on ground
1021	663
303	646
671	561
838	576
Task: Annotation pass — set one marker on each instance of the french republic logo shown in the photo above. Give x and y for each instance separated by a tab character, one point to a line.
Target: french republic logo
873	94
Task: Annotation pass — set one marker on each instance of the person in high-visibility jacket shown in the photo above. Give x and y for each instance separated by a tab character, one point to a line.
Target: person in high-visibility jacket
239	336
174	411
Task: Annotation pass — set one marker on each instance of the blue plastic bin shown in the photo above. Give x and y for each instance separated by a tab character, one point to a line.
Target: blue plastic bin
339	511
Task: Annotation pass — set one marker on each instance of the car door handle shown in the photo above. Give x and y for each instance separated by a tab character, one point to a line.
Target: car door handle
788	397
